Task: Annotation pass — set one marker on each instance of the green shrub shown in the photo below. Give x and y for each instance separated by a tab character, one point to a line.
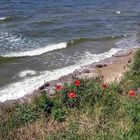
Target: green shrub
132	78
58	114
136	64
17	118
133	112
23	114
44	103
110	104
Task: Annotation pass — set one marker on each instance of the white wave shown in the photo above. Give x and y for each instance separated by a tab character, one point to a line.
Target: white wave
3	18
118	12
89	58
27	86
26	72
37	51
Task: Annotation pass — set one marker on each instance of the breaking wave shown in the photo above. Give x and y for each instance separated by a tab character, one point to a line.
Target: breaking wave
38	51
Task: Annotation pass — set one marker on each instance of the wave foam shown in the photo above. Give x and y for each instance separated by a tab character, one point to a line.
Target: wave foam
89	58
26	72
37	51
3	18
27	86
118	12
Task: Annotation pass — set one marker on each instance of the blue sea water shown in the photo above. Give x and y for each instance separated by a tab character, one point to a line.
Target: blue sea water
51	38
37	23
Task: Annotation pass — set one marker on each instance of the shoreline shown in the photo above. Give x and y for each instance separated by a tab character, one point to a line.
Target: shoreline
110	69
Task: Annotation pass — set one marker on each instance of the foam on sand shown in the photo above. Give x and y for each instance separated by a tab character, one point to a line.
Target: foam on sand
27	86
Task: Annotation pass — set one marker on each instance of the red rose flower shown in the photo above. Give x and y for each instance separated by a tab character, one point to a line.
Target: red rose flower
77	83
104	85
131	93
58	87
71	95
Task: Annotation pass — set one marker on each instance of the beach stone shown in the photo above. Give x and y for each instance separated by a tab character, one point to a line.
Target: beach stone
129	61
102	77
99	66
87	71
88	76
44	86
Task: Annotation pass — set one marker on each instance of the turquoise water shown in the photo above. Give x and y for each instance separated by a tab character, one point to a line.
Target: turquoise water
52	38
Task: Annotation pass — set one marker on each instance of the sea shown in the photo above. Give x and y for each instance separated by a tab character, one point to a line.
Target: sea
45	39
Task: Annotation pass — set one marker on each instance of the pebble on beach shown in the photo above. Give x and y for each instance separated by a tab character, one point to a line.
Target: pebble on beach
44	86
101	65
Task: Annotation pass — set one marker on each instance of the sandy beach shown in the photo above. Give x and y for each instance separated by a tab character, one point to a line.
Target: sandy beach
120	64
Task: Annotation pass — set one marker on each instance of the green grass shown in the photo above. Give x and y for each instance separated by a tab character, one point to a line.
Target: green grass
95	114
17	117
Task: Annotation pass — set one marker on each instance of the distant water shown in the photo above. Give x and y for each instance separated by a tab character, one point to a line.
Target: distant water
51	38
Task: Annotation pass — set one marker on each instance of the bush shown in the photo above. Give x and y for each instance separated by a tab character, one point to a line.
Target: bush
84	94
23	114
44	103
133	112
136	65
58	114
132	77
17	118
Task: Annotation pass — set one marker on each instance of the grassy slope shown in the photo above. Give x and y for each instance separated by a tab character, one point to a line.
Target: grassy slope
99	115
